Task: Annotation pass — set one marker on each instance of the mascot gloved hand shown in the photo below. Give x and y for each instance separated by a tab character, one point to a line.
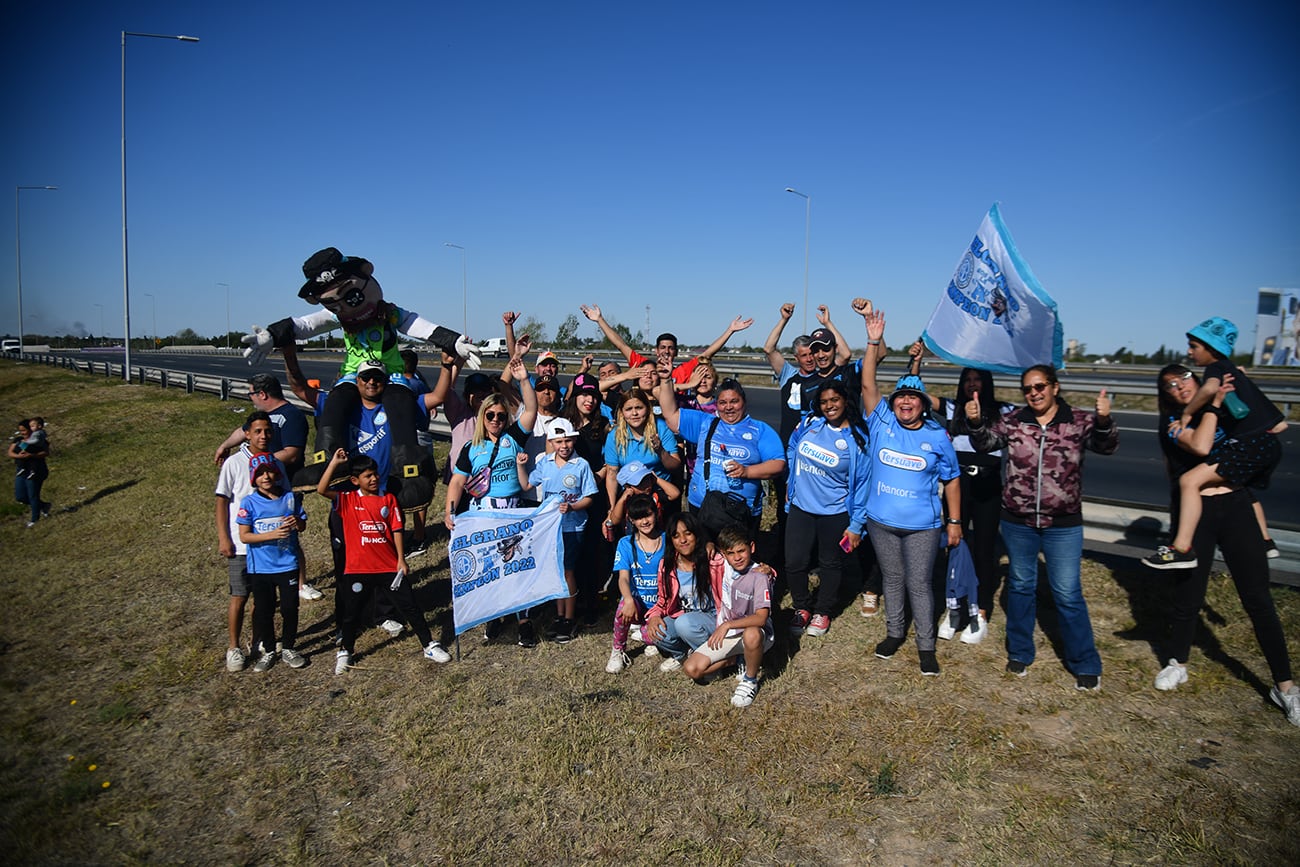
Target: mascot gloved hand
352	298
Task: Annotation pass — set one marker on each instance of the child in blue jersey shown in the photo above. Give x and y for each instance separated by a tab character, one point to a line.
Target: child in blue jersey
269	520
562	473
636	561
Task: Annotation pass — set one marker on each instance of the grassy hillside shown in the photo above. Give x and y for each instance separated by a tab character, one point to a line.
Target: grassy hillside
124	740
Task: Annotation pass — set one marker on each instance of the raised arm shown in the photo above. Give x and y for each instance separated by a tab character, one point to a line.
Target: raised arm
773	342
297	381
508	319
875	321
737	324
323	486
592	312
528	417
446	379
842	351
668	401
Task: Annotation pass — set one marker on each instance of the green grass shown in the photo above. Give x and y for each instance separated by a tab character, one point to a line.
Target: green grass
111	652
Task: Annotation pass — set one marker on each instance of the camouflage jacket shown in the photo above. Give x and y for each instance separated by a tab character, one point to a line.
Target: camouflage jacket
1043	473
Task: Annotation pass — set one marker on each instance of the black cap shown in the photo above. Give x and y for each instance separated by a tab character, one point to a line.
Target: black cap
823	337
329	266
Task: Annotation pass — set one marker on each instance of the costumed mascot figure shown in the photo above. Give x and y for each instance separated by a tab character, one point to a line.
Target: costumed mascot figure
352	298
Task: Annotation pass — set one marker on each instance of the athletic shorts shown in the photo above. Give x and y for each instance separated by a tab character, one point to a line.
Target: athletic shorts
731	647
237	567
572	550
1249	461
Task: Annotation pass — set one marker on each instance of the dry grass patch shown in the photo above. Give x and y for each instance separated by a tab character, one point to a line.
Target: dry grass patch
511	756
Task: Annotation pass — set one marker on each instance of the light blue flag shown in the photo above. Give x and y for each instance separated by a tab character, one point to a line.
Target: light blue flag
995	314
505	561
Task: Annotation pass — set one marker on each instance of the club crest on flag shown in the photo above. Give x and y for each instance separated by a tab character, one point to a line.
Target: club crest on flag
995	314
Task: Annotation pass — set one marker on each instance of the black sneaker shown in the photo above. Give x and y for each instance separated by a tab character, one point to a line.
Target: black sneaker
887	648
1170	558
1088	682
527	634
567	632
929	664
417	548
1270	547
555	627
491	631
1016	667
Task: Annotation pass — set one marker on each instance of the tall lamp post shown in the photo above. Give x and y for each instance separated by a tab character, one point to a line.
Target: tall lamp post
807	233
101	323
227	285
126	278
464	287
18	257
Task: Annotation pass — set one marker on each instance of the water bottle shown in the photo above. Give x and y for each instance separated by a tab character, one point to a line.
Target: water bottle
1236	405
733	482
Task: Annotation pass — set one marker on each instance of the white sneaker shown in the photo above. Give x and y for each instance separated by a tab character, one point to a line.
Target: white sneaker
265	661
1289	702
946	629
392	627
293	658
234	659
617	661
435	651
308	592
745	692
1171	676
975	630
651	650
670	663
634	632
342	662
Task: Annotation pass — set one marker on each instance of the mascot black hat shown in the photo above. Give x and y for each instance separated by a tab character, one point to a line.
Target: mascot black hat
329	266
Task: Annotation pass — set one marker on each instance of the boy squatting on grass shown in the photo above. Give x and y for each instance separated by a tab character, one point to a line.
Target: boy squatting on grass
233	485
744	617
1249	454
269	520
372	530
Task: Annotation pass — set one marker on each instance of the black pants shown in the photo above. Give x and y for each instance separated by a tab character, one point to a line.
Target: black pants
358	590
813	538
264	586
981	511
1228	521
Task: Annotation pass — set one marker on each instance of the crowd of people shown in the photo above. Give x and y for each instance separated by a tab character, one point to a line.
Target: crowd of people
662	475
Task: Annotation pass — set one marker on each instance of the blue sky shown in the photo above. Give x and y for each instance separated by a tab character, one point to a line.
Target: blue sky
637	154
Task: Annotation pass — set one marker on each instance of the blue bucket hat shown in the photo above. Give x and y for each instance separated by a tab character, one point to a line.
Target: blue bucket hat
1217	333
909	384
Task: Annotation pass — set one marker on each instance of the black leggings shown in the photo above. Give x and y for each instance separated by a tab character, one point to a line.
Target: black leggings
808	535
981	512
264	586
1228	521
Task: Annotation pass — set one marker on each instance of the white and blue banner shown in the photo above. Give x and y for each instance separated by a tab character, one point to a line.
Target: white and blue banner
995	314
505	561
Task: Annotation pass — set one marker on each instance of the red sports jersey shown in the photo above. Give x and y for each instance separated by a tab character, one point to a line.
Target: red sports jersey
368	525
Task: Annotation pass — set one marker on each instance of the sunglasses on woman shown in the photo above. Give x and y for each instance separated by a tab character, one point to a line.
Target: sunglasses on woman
495	416
1176	383
1035	387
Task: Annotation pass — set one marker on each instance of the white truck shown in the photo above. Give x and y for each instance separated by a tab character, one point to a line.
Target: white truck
495	347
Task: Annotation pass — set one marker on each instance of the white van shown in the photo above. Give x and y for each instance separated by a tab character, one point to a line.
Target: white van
495	347
10	345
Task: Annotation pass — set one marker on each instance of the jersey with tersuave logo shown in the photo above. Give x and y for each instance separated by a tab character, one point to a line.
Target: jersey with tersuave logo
368	525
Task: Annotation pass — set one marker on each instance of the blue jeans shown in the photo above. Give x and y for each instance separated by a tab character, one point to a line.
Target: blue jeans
27	490
1062	548
686	631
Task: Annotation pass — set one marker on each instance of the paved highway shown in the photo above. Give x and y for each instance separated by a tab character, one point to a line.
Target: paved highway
1133	474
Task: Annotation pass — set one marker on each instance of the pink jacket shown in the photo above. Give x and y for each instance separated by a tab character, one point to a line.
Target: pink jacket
668	604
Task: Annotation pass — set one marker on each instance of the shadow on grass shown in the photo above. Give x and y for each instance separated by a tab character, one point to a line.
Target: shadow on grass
99	495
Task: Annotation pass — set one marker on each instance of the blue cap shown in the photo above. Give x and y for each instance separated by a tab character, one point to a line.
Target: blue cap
909	384
1217	333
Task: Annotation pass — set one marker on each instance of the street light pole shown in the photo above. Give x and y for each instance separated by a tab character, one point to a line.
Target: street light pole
101	323
227	285
126	278
18	257
807	234
464	287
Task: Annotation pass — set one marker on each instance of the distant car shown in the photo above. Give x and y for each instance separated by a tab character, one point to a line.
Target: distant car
9	345
495	347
